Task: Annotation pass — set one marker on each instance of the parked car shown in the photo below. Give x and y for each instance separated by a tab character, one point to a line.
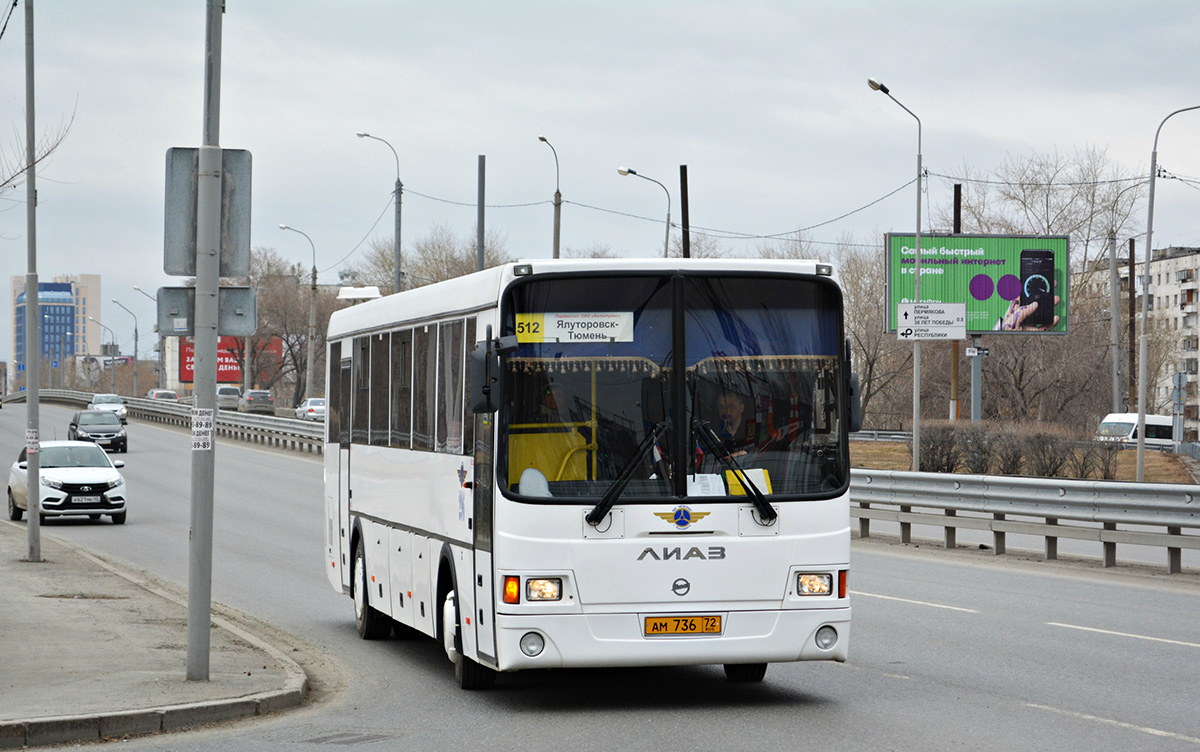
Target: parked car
100	427
111	402
77	478
257	401
227	397
162	394
312	408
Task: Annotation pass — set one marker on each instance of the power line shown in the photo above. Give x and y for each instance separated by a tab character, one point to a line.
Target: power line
11	9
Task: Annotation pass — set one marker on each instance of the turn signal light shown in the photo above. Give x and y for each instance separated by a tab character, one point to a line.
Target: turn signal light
512	589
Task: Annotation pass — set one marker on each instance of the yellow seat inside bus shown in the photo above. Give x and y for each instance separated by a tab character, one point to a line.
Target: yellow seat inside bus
558	455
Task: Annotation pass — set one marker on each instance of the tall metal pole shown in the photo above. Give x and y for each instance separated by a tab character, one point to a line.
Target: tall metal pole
208	266
33	350
312	315
136	392
161	363
397	269
1114	328
916	449
1143	340
479	254
667	240
557	195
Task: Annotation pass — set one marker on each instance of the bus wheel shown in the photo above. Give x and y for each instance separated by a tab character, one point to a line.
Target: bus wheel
468	673
371	624
745	672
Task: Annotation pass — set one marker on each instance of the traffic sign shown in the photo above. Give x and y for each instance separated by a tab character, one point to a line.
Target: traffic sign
931	321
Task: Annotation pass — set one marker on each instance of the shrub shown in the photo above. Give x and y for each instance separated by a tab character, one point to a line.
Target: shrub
1106	453
1009	451
977	446
939	448
1081	460
1047	452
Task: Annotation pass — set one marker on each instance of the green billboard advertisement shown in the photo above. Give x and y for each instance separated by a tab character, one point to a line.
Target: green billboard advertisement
1013	284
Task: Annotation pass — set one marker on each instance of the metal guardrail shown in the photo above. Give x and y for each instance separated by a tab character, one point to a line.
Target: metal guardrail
285	433
1109	512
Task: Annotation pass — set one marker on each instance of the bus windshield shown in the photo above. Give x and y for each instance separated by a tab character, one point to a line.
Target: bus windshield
759	397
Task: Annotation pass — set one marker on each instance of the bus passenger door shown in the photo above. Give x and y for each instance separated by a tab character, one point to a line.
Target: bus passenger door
346	387
484	489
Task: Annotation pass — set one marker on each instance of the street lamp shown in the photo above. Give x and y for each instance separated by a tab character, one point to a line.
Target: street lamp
558	196
161	371
112	363
312	314
1143	346
136	393
916	447
397	273
667	242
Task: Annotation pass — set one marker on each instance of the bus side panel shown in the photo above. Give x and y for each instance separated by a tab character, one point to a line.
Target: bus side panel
485	607
400	575
424	570
333	544
375	545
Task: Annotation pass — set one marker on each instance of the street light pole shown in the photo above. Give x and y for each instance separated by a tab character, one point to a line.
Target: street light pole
397	272
136	393
916	449
161	360
557	195
667	242
312	314
1143	341
112	363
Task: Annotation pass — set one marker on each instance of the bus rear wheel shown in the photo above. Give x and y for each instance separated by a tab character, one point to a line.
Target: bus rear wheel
371	624
745	672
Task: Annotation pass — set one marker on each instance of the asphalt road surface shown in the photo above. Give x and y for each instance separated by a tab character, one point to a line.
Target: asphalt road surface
949	650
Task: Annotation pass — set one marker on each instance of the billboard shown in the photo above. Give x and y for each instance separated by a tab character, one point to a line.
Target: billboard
229	369
1011	284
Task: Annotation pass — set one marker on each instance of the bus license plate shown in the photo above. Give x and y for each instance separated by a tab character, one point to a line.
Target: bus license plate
682	625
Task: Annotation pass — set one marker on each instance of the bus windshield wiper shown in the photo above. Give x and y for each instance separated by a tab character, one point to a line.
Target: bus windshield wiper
717	447
614	491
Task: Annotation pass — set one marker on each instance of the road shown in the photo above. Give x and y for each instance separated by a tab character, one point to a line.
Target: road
949	650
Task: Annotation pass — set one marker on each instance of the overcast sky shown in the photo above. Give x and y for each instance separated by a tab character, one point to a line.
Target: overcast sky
765	102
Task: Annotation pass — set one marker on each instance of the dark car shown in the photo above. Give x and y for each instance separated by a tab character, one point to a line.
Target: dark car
257	401
100	427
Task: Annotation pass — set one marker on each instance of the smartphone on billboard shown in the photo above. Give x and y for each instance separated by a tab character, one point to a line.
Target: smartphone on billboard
1037	271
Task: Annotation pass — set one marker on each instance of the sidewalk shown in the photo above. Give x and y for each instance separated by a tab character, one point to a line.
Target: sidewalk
94	651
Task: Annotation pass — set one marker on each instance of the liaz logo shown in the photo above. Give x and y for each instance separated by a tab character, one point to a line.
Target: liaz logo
681	517
677	553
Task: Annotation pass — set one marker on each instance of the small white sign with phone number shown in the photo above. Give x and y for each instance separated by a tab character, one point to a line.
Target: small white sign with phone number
203	426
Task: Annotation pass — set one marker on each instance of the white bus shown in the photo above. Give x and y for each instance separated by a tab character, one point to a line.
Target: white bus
583	463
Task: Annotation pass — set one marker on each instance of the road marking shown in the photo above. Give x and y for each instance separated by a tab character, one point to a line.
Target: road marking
1119	724
1124	634
915	603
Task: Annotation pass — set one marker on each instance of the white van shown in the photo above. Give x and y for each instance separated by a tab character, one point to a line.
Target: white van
1123	427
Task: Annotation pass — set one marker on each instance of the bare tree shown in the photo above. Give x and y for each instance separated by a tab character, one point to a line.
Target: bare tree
14	165
438	256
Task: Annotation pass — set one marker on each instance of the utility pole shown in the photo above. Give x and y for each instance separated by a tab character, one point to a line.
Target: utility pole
33	346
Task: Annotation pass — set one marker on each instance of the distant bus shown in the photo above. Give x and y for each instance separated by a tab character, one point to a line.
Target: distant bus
584	463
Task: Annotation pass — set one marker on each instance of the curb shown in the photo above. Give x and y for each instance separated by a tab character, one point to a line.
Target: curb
33	732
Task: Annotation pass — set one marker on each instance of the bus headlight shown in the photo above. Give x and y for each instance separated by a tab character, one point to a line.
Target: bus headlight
543	589
814	584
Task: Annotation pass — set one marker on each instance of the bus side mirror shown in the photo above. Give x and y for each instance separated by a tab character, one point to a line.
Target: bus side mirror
855	399
485	365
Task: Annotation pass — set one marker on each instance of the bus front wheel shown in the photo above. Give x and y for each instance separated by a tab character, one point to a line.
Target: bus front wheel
468	673
371	624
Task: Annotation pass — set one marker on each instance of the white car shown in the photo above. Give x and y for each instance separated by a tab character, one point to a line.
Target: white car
312	408
77	478
111	402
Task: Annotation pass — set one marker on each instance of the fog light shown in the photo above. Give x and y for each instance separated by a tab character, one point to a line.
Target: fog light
814	584
826	637
532	644
543	589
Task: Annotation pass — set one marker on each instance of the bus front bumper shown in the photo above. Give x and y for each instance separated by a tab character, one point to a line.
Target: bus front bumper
613	640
